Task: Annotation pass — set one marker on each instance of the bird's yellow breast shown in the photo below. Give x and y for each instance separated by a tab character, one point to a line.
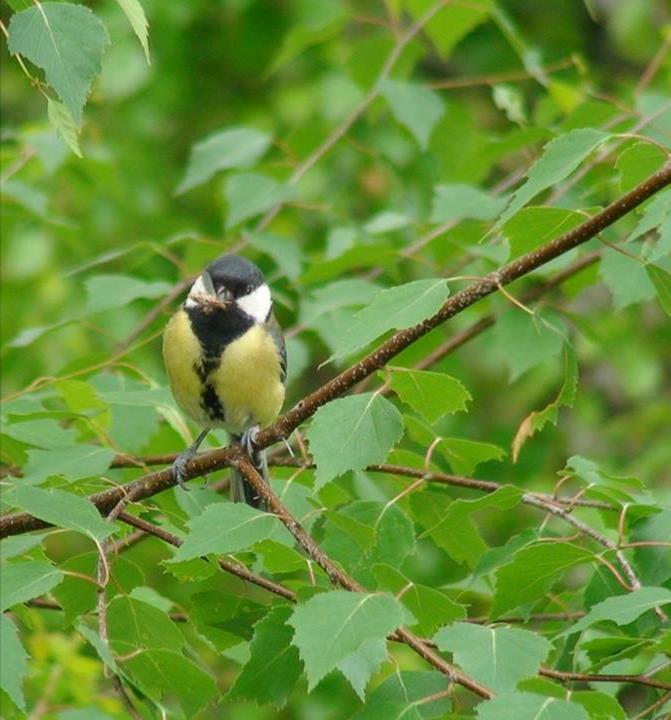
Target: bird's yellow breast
247	380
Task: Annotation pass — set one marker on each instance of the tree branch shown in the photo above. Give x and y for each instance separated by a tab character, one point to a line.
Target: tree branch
154	483
341	578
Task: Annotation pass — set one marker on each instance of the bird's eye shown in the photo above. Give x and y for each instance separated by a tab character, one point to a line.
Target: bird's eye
248	289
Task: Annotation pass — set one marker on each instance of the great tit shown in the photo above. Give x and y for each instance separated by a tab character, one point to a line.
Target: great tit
226	360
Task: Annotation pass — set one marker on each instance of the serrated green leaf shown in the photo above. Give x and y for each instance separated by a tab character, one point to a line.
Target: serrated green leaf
456	201
227	528
415	107
237	147
394	309
465	455
63	509
661	279
45	433
137	626
331	626
524	341
457	533
23	581
351	433
498	657
112	291
362	664
65	127
525	706
638	162
560	158
405	695
534	226
73	463
163	674
13	662
67	41
626	278
430	607
533	572
250	194
138	21
273	667
224	619
432	394
622	609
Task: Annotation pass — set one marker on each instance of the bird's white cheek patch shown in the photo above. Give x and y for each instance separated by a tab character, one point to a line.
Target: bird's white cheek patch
257	304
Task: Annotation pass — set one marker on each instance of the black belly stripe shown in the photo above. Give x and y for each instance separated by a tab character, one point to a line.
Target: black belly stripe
215	328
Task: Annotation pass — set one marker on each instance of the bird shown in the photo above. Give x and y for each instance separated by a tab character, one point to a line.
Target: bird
226	362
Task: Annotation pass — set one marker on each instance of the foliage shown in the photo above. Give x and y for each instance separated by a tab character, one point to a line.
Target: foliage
489	501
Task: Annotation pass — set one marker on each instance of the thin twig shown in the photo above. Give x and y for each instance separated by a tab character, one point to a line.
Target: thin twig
595	677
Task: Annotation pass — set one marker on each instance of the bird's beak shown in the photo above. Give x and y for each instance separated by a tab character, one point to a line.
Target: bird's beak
207	285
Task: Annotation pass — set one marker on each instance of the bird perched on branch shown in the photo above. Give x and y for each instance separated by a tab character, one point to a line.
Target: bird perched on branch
226	360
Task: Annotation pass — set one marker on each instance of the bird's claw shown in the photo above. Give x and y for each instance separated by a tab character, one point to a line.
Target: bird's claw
248	441
179	468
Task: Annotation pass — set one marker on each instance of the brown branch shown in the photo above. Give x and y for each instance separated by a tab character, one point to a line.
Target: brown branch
154	483
651	708
591	677
341	578
494	78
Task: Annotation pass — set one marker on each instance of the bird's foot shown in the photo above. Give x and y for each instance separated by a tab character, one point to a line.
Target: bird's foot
179	467
248	442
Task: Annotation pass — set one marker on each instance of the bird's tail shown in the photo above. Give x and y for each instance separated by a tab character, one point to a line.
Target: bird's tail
241	490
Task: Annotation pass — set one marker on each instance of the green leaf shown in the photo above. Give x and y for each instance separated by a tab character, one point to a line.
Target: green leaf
67	41
13	662
273	667
538	419
138	21
622	609
431	608
454	21
497	657
534	226
457	533
45	433
333	625
63	509
560	158
525	706
432	394
163	674
415	107
73	463
637	163
112	291
394	309
599	705
626	278
661	279
65	127
237	147
225	620
524	341
656	214
533	572
404	695
351	433
361	664
23	581
227	528
465	455
455	202
251	194
137	626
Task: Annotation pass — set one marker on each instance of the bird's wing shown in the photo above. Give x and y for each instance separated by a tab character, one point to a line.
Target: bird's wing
275	331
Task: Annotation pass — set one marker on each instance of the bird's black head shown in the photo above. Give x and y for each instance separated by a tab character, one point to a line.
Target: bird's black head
236	280
234	276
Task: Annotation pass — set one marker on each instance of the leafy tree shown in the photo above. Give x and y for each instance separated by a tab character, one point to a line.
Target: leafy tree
463	209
